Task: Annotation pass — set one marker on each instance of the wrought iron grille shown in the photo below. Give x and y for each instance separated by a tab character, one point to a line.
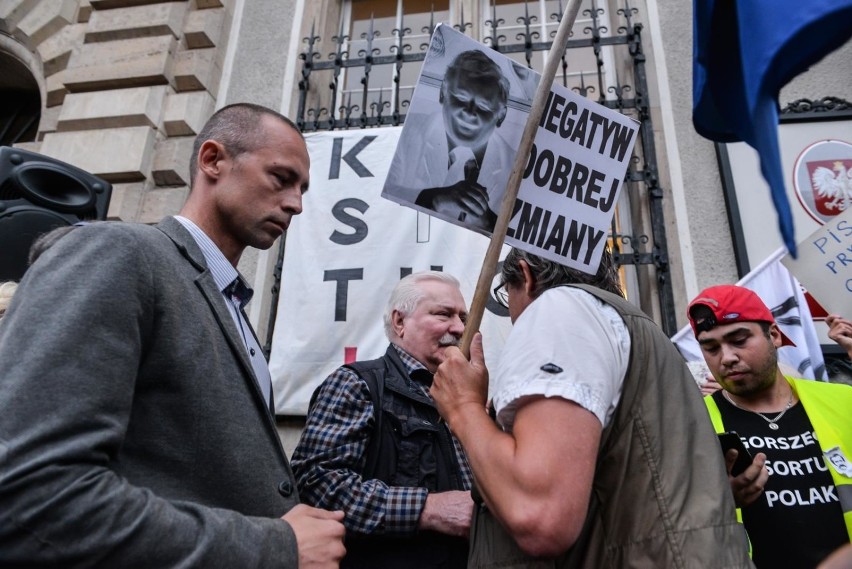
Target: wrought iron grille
321	106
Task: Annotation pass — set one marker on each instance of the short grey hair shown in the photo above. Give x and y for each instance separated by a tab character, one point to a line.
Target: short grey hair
237	128
407	294
549	274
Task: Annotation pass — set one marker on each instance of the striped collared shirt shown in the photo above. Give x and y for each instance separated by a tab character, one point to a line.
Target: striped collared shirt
237	294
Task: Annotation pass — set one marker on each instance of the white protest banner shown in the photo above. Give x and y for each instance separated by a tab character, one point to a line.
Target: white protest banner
343	256
824	265
458	143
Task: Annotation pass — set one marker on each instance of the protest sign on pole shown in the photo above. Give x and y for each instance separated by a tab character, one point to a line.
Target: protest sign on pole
571	178
560	196
824	265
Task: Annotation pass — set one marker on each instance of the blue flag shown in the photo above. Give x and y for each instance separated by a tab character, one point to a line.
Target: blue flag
744	52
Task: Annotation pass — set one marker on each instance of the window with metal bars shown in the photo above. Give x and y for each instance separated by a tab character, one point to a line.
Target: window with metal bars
364	75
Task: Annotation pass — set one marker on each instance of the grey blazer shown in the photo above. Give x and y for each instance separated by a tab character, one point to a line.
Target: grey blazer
132	430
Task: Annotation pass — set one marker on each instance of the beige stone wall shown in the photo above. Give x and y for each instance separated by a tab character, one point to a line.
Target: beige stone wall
127	85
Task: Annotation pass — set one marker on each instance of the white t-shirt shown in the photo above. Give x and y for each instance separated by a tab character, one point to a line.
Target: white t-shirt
567	344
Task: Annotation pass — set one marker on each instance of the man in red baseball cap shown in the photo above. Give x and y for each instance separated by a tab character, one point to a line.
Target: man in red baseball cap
728	304
796	497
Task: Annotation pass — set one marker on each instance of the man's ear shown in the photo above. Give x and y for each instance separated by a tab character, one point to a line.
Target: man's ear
397	322
210	157
529	279
775	335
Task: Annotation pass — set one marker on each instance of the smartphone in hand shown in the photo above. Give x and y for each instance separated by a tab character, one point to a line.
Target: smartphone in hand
731	440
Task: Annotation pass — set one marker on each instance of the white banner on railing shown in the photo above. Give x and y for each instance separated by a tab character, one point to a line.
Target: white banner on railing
344	254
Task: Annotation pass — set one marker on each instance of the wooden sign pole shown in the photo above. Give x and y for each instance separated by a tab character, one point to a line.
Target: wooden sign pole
492	255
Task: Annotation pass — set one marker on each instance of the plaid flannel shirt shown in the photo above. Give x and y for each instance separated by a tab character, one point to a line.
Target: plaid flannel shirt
332	452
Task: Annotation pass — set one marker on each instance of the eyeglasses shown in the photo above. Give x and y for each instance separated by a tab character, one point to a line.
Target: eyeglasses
501	295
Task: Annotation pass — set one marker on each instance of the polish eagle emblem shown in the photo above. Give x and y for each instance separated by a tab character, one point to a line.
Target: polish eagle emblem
832	187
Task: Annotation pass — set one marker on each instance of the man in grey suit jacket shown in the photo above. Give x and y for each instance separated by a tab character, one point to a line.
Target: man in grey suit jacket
135	417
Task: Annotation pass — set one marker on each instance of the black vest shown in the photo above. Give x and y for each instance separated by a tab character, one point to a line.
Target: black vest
410	446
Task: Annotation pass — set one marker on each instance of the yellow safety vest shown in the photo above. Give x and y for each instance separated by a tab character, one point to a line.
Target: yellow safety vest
829	408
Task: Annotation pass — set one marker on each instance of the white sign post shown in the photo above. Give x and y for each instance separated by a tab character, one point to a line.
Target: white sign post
824	265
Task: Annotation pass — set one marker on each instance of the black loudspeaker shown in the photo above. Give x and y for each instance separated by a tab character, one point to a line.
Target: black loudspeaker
37	194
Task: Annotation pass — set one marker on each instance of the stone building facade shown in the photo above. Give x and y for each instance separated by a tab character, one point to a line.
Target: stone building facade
123	86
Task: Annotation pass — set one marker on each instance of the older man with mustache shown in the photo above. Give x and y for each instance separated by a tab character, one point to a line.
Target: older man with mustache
374	445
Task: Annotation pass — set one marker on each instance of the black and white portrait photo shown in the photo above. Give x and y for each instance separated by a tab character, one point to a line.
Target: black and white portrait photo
459	139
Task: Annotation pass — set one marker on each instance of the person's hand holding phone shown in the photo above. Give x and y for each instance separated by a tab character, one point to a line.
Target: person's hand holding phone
747	475
748	486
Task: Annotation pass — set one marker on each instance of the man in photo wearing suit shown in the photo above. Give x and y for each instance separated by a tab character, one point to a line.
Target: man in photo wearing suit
458	166
136	421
